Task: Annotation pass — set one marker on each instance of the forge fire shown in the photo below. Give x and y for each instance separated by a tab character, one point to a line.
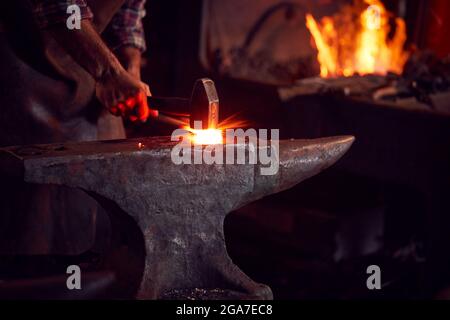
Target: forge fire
258	150
359	40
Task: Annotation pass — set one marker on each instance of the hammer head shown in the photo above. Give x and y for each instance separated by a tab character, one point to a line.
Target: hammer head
204	105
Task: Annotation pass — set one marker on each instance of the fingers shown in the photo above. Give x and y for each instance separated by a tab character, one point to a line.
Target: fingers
126	98
142	109
151	112
134	108
130	102
111	104
122	108
114	111
147	90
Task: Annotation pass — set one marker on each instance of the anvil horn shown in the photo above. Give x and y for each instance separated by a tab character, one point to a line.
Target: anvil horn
179	209
300	160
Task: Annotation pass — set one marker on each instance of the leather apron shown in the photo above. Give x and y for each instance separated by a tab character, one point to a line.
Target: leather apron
46	97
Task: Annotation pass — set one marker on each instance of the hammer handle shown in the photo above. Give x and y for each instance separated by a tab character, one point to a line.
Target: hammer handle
173	106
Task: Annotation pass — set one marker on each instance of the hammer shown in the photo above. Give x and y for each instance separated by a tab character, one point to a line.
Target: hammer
202	106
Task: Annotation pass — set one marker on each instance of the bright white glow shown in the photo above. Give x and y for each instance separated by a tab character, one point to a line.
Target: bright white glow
207	137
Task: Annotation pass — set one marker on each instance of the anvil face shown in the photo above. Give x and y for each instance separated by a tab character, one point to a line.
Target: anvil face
179	209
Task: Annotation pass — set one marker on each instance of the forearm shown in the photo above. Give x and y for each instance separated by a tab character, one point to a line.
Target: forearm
103	11
88	49
130	57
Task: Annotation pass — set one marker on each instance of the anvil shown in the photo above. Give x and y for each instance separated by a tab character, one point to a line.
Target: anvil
179	210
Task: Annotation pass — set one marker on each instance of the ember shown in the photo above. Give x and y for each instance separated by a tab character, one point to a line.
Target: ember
356	41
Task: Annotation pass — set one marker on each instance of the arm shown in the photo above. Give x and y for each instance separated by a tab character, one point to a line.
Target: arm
115	85
125	34
131	60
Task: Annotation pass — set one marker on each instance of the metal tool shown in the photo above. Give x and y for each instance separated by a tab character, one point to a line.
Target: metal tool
202	106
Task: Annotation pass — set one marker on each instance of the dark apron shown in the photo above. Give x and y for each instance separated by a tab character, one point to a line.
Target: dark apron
46	97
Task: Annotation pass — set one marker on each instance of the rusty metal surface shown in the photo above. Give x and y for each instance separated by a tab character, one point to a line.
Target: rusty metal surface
180	209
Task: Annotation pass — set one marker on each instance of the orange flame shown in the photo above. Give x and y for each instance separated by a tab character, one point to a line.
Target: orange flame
356	41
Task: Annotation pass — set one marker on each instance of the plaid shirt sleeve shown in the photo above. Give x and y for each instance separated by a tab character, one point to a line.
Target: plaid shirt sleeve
126	28
51	12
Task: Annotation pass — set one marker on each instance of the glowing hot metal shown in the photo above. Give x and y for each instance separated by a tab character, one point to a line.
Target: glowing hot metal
207	137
